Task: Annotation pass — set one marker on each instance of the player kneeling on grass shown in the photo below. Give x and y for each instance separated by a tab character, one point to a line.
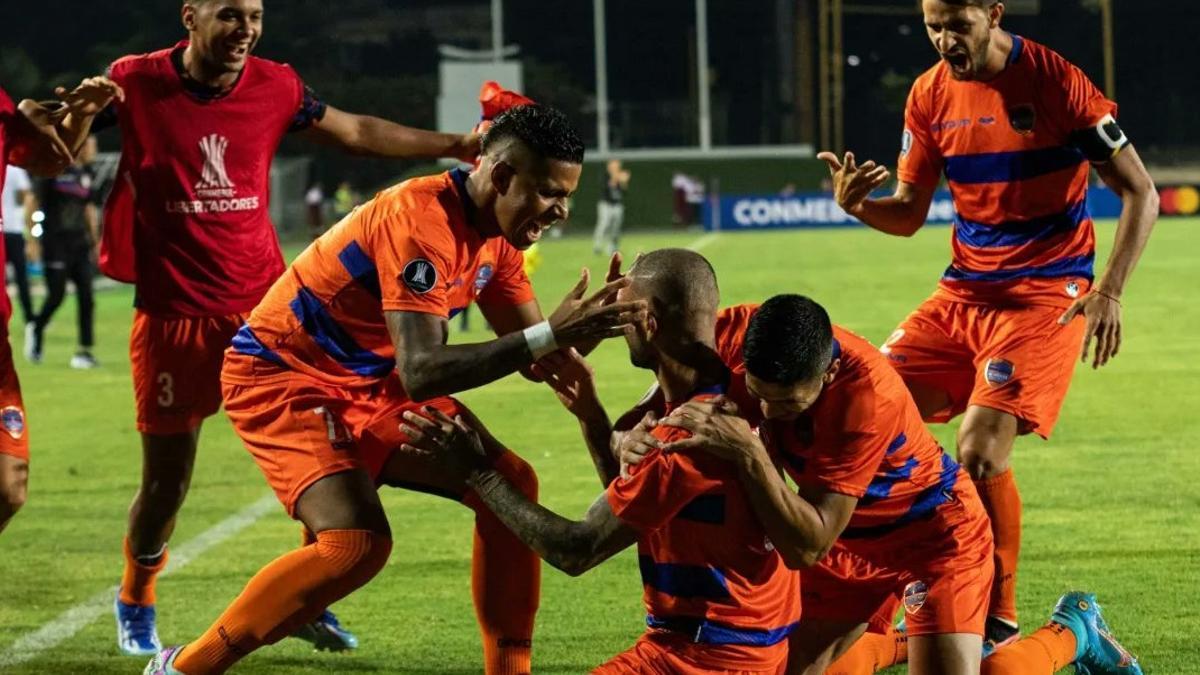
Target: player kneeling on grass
353	334
719	598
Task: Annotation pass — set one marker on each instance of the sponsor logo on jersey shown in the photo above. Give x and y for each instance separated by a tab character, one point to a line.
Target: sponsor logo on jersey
215	192
13	419
1022	118
998	372
914	596
213	176
483	277
906	141
419	275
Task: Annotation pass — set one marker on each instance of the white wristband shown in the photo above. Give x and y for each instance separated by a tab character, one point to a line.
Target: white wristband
540	339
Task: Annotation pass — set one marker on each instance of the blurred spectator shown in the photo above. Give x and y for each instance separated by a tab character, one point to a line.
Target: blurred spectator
789	190
688	195
610	210
344	200
19	203
314	203
69	238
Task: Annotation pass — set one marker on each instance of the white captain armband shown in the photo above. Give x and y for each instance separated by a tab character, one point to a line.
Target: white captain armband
1101	142
540	339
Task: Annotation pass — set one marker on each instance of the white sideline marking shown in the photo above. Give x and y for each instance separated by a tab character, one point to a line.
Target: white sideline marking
703	241
75	619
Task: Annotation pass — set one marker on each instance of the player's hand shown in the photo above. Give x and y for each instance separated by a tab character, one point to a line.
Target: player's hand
578	322
91	96
716	428
468	147
1103	315
450	441
631	447
573	380
852	183
48	154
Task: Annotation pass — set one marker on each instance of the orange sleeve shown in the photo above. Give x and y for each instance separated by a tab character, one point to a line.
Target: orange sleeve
1084	104
509	284
920	160
413	261
848	452
659	487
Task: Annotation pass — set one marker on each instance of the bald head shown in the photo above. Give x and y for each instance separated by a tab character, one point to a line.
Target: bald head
681	289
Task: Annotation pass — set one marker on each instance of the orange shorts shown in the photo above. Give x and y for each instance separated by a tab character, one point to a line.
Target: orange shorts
659	653
300	430
14	432
940	570
176	363
1014	359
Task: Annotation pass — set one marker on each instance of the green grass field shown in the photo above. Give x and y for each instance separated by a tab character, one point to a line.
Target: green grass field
1112	502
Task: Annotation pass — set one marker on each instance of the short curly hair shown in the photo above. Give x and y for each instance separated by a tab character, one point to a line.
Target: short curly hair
542	129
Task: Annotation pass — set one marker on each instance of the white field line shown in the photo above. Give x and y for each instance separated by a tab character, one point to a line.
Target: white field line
75	619
703	241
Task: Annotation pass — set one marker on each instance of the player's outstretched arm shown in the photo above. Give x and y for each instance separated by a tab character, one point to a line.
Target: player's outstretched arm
573	381
1127	177
375	137
35	143
901	214
803	527
429	367
573	546
82	104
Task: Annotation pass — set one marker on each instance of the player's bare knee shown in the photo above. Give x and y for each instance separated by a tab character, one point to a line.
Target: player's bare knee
519	472
980	463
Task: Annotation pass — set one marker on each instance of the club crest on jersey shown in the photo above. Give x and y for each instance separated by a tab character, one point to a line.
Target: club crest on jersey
998	372
483	277
1022	118
1073	289
213	175
914	596
13	419
906	141
420	275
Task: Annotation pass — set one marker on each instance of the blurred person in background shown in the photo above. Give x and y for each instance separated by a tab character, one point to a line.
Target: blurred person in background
19	203
610	210
344	200
70	231
314	208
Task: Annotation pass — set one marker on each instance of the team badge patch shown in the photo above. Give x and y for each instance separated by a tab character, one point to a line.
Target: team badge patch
420	275
13	419
914	596
998	372
1022	118
1073	289
906	141
483	277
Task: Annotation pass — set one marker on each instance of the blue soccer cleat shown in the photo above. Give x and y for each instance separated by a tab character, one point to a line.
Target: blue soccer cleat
163	662
136	632
1098	652
327	634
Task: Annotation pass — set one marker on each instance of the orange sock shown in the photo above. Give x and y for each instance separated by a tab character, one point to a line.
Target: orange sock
290	591
871	653
1047	651
1003	503
506	580
138	580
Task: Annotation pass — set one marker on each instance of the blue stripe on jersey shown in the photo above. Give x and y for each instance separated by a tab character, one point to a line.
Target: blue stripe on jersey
1005	167
1017	48
926	502
708	509
716	633
1078	266
683	581
334	340
1019	232
361	267
881	486
897	444
246	342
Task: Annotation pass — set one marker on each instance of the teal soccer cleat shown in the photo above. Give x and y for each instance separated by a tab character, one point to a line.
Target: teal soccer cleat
327	634
1098	652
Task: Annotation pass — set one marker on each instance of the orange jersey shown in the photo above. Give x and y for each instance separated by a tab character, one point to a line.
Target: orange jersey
707	565
413	248
863	437
1022	233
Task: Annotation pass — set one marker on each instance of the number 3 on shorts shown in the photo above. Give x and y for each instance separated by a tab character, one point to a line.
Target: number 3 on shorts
166	391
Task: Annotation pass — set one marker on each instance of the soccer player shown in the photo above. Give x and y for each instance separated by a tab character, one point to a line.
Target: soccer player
188	223
353	335
1014	128
881	509
29	137
719	599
